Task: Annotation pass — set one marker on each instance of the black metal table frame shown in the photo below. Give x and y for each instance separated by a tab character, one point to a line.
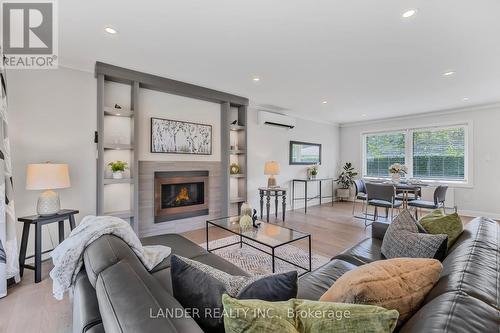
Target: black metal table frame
273	248
305	198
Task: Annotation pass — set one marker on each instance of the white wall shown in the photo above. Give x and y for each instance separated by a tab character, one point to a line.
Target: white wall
267	143
161	105
481	199
52	118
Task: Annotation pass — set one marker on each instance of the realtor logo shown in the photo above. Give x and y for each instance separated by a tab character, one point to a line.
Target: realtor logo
29	34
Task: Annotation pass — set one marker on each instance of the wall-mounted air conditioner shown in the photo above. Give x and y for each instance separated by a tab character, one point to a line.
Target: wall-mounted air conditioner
276	119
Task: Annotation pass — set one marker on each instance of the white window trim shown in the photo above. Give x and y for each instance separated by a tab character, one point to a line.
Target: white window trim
468	153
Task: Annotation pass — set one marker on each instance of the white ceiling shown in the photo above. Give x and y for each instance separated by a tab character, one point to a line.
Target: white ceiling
359	55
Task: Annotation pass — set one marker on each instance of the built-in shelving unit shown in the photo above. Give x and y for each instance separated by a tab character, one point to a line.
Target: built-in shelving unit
237	154
117	134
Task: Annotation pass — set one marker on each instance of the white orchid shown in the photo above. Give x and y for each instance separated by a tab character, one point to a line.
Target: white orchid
398	168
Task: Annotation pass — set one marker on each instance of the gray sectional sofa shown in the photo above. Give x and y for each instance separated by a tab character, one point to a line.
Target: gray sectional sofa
115	293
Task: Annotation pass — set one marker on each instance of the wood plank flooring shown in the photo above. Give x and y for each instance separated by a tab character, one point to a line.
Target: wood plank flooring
30	307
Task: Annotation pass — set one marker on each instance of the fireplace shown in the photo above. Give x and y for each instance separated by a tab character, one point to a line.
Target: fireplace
180	194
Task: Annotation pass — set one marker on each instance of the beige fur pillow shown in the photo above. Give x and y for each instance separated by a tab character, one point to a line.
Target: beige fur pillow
395	284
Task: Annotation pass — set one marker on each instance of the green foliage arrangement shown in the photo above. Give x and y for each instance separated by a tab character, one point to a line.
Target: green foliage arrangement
346	177
117	166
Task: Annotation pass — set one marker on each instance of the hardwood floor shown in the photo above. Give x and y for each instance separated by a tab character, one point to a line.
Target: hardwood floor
30	307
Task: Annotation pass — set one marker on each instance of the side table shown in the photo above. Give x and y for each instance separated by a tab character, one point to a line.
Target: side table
38	221
269	192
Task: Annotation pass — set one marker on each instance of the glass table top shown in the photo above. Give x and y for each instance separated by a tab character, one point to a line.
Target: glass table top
268	234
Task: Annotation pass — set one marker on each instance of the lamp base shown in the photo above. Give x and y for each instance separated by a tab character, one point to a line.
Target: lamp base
271	182
48	203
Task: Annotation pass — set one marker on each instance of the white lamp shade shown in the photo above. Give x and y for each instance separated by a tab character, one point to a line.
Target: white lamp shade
272	168
47	176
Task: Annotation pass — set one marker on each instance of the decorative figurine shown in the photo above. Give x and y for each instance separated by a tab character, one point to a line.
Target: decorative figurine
254	218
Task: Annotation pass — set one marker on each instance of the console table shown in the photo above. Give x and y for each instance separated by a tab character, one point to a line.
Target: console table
38	221
306	182
269	192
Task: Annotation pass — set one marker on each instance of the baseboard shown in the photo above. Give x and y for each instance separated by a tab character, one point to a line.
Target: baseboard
474	213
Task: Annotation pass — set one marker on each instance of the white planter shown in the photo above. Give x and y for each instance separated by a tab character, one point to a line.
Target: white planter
396	177
343	193
118	175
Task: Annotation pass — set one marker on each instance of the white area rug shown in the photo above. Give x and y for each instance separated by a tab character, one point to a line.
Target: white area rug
256	262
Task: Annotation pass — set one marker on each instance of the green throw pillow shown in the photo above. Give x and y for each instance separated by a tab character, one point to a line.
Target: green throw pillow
436	222
303	316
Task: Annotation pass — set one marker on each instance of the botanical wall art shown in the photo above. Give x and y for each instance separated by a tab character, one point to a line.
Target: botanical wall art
180	137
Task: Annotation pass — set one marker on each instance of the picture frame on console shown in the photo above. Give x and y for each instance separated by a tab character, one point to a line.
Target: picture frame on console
180	137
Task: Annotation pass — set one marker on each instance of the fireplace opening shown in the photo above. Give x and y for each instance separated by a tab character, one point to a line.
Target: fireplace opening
180	194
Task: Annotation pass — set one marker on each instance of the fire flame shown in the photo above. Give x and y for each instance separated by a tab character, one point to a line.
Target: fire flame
182	196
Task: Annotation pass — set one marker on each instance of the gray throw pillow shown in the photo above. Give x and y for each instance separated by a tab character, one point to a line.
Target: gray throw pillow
402	239
199	286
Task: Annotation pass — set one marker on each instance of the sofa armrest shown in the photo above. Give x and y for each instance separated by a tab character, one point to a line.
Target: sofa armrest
379	229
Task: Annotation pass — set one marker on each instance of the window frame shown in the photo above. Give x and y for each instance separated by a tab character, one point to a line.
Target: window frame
468	151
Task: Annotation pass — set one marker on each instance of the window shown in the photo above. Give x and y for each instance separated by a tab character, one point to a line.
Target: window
438	153
382	150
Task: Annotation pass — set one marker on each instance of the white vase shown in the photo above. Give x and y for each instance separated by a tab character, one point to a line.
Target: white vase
396	177
118	175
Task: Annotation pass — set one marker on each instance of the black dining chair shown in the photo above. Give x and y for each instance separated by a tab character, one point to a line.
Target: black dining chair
439	199
381	195
359	186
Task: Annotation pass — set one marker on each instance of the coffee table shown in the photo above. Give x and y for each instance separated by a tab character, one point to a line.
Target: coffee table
269	235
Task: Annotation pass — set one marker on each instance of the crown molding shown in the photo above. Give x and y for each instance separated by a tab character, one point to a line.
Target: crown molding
478	107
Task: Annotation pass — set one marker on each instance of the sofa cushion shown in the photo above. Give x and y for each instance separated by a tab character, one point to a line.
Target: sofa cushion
165	278
133	301
85	308
314	284
402	239
305	316
187	275
437	222
472	264
454	312
366	251
180	245
106	251
400	284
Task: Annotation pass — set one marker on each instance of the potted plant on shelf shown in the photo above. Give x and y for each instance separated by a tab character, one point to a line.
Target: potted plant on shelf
345	180
396	170
118	167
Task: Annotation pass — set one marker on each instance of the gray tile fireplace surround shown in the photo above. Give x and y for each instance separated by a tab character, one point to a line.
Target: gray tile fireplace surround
147	169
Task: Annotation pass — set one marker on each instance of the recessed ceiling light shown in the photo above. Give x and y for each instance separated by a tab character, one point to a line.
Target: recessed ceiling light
409	13
111	31
449	73
363	115
256	79
118	114
324	102
465	99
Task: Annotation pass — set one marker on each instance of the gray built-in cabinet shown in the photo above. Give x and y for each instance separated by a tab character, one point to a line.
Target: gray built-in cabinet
116	85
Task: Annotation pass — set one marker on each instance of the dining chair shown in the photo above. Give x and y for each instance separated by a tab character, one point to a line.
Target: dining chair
359	186
439	199
381	195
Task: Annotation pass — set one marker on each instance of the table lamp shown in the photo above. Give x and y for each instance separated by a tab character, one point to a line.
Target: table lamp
47	177
271	168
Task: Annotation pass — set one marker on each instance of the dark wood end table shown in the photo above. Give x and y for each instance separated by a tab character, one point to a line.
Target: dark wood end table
38	221
269	192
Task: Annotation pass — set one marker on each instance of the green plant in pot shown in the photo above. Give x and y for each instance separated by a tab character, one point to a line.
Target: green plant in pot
118	167
345	180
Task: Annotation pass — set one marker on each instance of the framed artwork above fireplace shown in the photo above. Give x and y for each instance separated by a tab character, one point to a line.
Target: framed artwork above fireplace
180	137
